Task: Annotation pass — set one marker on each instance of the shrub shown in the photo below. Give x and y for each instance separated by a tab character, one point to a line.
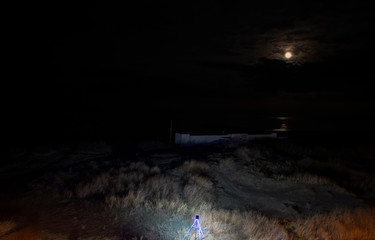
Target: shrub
194	167
357	224
95	186
7	226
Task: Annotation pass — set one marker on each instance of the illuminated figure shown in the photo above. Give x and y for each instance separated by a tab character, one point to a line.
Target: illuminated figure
195	231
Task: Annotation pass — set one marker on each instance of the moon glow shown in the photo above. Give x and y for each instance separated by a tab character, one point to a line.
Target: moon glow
288	55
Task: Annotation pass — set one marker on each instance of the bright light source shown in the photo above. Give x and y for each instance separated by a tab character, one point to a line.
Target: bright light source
194	231
288	55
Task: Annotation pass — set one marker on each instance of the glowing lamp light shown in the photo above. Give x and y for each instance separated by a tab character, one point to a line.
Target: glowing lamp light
288	55
195	231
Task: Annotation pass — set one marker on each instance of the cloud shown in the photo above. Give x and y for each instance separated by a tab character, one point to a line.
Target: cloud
171	38
313	31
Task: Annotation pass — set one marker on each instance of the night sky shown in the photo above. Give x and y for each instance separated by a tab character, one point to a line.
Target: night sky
105	68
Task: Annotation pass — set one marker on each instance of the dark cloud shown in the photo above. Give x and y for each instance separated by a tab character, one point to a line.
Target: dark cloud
90	35
87	67
209	48
314	31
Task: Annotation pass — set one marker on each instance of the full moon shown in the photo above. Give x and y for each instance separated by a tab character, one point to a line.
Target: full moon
288	55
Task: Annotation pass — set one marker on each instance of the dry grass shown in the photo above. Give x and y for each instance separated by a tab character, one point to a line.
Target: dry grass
354	179
159	204
7	226
95	186
198	189
226	224
161	197
358	224
311	179
149	200
227	164
30	233
249	154
315	165
114	181
194	167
